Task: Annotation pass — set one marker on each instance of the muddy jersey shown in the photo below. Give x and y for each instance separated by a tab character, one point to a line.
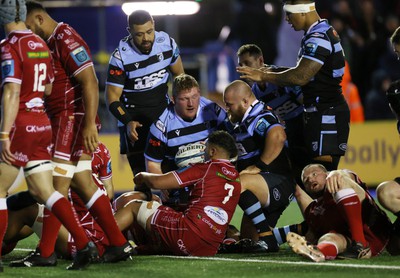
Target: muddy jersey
214	194
71	55
143	77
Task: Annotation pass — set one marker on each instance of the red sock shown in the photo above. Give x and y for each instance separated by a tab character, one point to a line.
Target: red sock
62	209
4	219
99	206
328	249
349	202
51	226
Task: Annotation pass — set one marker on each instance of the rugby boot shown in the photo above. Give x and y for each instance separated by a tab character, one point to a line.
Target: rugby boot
356	251
115	254
35	259
84	257
299	246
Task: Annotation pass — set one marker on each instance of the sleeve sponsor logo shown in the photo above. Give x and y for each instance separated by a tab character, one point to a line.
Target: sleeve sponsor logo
261	126
155	143
115	72
310	48
160	125
7	68
116	54
80	56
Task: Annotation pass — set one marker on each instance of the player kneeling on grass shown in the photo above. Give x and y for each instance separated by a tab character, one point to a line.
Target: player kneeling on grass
214	193
343	219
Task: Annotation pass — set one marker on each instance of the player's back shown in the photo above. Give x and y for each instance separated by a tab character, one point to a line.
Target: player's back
26	60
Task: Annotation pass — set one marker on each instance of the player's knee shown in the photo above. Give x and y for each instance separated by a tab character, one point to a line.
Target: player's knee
146	210
385	192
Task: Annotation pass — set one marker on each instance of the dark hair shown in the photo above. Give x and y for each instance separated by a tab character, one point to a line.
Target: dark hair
139	17
33	5
184	82
252	49
224	140
395	38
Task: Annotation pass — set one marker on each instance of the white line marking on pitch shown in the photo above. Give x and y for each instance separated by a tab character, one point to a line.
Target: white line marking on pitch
289	262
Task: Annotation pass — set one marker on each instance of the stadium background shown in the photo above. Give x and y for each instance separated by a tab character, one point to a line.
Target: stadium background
208	42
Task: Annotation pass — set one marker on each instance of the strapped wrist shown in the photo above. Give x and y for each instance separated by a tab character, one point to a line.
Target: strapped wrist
262	166
4	136
118	110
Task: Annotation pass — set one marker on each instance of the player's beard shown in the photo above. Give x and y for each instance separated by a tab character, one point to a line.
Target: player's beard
146	49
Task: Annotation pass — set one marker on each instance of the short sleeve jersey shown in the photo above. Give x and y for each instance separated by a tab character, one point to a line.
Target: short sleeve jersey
143	77
71	55
250	137
321	43
26	60
214	194
170	131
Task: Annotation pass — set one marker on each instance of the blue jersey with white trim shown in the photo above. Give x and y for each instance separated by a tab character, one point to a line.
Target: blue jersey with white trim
250	137
321	43
143	77
285	101
170	131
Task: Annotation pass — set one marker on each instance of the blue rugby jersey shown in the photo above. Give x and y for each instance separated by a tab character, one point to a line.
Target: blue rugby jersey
250	137
285	101
143	77
321	43
170	131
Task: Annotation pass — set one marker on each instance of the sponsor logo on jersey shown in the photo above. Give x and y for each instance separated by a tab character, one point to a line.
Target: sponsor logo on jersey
69	40
7	68
33	45
211	225
80	56
36	55
261	126
13	40
161	126
218	215
150	81
116	54
73	45
276	194
228	172
314	146
35	102
160	56
137	65
311	48
177	132
343	146
109	169
60	36
116	72
160	40
21	157
155	143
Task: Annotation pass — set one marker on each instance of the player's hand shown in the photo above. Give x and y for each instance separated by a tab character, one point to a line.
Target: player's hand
6	154
131	130
250	73
90	137
334	181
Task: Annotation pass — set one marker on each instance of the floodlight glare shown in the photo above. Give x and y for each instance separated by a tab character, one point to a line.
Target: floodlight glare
163	7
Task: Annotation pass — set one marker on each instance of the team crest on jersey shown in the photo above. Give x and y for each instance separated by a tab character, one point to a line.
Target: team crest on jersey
7	68
160	125
80	56
160	56
160	40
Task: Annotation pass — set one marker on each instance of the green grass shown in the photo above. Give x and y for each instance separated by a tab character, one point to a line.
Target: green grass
282	264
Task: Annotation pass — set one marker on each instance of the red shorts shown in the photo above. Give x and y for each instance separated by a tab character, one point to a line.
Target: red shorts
170	230
67	137
30	140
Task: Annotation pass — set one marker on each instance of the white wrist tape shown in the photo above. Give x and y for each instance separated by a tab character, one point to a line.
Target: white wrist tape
299	8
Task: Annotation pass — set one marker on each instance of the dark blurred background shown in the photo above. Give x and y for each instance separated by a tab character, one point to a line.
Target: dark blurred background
209	40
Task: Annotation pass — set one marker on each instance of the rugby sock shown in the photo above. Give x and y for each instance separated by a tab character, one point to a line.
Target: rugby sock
4	219
280	233
99	206
61	210
329	249
348	201
250	205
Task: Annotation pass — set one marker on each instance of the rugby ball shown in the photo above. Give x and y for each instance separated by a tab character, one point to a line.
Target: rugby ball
190	154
